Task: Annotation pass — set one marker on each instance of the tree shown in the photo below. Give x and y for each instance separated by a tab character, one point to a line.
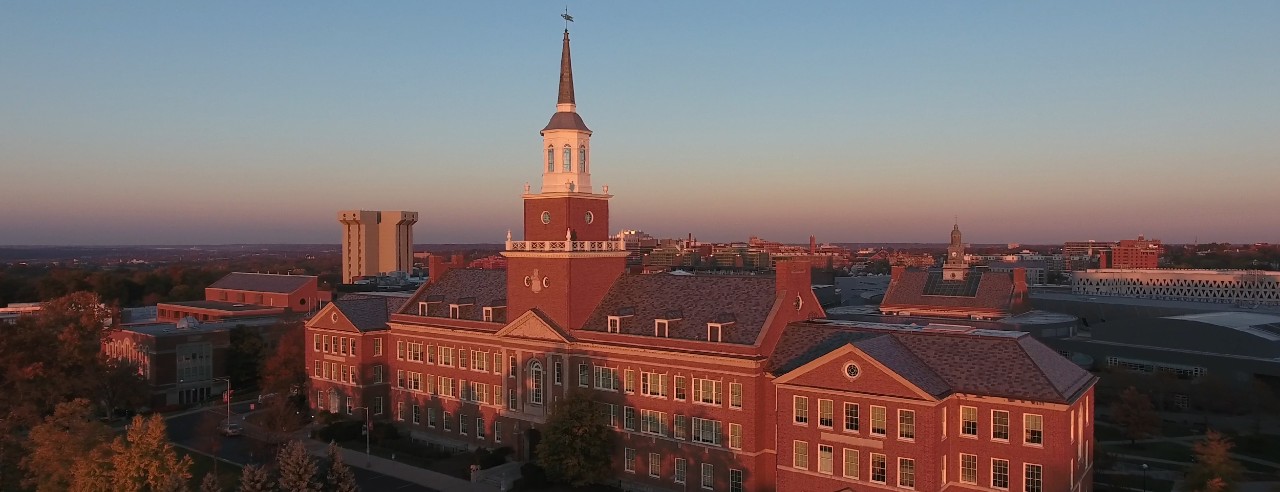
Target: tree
339	477
1133	412
245	356
254	478
210	483
1213	466
54	446
576	445
143	459
122	386
297	469
284	373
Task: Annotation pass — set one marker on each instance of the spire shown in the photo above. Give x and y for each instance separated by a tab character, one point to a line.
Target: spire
566	74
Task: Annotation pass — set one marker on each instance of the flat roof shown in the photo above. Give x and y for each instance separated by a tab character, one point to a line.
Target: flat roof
171	328
1145	302
221	305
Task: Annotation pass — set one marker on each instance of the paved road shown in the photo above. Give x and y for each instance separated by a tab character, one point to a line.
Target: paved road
187	430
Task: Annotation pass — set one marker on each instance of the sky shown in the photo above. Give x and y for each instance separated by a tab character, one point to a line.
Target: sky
151	122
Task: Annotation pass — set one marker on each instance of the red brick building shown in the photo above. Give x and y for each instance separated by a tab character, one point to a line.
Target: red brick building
700	375
1138	253
248	295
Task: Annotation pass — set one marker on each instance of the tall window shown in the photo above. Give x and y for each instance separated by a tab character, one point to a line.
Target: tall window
582	159
801	409
568	159
879	468
1034	425
968	468
735	436
851	417
535	382
825	411
1000	425
851	464
551	160
1033	478
825	457
735	480
735	395
906	424
681	470
655	465
629	460
879	421
1000	473
708	476
968	421
800	455
906	473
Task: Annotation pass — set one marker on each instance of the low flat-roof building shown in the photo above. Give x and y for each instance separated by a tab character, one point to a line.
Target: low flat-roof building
1240	287
248	295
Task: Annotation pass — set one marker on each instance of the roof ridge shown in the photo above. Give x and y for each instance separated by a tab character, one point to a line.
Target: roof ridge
920	360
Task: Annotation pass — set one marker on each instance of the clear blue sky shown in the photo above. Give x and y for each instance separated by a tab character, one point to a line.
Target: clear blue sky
226	122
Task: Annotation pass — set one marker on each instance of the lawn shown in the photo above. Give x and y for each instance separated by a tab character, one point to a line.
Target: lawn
1118	482
228	474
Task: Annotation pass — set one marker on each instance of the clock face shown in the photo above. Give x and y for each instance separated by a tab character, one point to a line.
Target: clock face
546	217
590	217
851	370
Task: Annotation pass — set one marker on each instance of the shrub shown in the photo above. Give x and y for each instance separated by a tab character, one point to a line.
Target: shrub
532	477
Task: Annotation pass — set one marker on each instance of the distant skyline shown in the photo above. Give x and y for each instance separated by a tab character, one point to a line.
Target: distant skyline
1034	122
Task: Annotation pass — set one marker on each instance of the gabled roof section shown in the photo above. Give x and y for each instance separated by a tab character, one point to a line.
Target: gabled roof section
700	299
992	291
535	326
983	362
368	313
477	287
263	282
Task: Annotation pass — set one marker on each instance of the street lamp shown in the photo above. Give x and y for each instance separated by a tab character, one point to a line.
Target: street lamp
226	396
1144	477
368	429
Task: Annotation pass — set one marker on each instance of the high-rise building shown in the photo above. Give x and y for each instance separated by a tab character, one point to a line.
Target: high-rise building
376	242
1141	253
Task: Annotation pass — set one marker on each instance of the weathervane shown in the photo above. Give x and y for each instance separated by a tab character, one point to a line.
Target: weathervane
567	18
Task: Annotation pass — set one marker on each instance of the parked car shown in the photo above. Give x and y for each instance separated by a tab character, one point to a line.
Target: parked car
229	428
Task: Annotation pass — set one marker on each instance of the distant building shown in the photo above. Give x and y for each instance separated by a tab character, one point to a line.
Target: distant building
10	314
376	242
1138	253
1240	287
956	291
1035	271
493	262
248	295
179	360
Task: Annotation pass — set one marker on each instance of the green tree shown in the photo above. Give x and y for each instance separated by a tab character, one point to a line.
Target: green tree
339	477
1213	466
1133	412
254	478
297	469
54	446
576	445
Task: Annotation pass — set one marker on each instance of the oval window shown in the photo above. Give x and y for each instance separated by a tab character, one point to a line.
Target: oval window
590	217
546	217
851	370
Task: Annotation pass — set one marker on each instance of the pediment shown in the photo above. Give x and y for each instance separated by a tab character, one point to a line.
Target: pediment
331	318
827	372
533	326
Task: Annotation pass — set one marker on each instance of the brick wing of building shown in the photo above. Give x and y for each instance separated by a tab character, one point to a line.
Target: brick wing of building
701	376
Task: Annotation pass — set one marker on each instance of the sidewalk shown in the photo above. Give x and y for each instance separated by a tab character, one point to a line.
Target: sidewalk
408	473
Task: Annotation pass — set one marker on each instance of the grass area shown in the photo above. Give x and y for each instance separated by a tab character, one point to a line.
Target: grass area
1161	450
1108	432
381	452
1261	446
228	474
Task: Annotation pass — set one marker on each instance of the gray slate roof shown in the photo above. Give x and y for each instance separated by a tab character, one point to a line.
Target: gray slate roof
695	299
262	282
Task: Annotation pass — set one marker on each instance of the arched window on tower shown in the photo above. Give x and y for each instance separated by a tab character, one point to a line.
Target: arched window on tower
568	159
582	159
535	382
551	160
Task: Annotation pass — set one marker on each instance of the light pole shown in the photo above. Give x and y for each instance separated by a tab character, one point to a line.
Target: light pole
226	396
1144	477
368	429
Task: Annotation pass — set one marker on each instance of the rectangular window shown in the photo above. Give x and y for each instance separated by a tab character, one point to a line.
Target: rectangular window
400	411
735	481
326	344
446	356
497	431
999	473
511	366
708	391
1033	478
1034	425
417	415
512	401
353	346
680	389
653	422
907	473
708	476
851	464
446	387
681	470
377	405
377	373
431	418
735	395
606	378
907	424
479	427
653	384
557	373
879	424
479	361
735	436
800	455
447	421
655	465
431	351
377	347
497	363
320	400
800	409
613	415
317	368
400	349
851	417
682	427
826	417
969	421
969	468
350	404
706	431
584	375
879	468
400	378
316	339
462	424
1000	425
629	460
826	454
629	418
630	383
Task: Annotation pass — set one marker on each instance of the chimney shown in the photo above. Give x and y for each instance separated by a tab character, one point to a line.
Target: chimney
437	267
895	272
793	278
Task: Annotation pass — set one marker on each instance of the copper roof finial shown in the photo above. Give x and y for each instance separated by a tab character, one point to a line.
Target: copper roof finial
566	68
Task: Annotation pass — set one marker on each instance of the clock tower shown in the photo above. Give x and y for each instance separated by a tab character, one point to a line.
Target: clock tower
955	268
567	260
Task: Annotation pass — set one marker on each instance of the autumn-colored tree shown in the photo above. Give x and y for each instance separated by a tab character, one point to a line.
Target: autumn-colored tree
210	483
122	386
254	478
296	468
1213	462
339	478
54	446
1133	412
576	445
141	460
284	373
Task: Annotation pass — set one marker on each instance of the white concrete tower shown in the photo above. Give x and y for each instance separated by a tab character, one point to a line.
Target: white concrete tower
566	140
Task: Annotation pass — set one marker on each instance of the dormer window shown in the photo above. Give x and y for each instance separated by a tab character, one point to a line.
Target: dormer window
661	328
715	332
455	311
615	324
488	314
423	308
